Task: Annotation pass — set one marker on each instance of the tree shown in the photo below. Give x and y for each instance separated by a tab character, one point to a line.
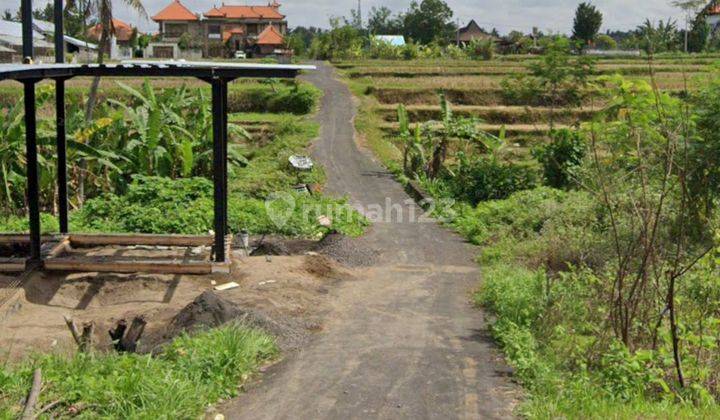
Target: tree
586	26
105	17
428	21
47	13
691	9
661	38
698	37
381	22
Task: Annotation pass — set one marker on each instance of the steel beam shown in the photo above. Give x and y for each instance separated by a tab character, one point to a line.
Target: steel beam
33	188
59	32
61	148
219	94
27	29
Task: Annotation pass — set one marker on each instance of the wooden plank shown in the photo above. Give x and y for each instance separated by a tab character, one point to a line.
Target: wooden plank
23	238
7	265
159	267
148	240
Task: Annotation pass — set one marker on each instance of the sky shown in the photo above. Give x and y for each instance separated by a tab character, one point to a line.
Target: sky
506	15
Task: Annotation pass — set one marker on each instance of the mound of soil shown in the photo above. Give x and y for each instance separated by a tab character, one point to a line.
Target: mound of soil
353	252
210	311
279	246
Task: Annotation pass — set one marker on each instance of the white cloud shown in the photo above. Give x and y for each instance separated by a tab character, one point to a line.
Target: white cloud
506	15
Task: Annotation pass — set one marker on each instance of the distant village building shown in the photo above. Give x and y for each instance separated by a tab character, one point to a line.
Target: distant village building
11	40
712	13
258	31
471	32
120	45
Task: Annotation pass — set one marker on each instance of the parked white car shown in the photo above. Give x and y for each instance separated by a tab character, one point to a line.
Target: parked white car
240	55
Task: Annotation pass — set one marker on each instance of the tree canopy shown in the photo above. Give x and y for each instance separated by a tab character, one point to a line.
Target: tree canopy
586	26
428	21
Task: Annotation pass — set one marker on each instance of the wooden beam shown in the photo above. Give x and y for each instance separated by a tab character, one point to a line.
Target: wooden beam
130	266
12	265
23	238
148	240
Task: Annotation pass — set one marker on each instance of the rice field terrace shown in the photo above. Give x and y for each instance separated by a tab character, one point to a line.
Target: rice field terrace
475	90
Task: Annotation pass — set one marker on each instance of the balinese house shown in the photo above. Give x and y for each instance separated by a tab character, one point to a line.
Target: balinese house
120	45
471	32
712	14
258	31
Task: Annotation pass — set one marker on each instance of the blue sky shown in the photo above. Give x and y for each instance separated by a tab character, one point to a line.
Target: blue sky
506	15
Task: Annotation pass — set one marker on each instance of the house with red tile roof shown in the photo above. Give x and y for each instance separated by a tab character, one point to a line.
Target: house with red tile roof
121	38
258	31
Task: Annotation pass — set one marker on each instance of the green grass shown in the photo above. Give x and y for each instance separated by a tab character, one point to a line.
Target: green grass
192	373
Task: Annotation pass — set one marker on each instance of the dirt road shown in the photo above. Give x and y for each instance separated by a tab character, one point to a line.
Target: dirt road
405	342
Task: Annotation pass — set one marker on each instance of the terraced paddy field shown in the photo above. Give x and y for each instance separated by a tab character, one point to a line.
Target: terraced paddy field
475	89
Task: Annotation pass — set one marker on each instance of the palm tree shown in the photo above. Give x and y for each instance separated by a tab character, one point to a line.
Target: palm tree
105	19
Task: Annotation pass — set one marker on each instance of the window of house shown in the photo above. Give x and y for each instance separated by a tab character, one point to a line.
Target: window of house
214	31
252	28
175	30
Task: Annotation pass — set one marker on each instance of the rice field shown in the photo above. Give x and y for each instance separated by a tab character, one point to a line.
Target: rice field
474	89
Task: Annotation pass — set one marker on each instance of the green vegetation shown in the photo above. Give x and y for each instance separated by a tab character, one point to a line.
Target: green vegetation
149	163
190	374
603	281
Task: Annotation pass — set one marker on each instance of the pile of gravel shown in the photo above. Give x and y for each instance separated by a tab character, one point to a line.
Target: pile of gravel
352	252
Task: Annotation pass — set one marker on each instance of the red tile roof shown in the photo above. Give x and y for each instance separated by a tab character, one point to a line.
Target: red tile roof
175	11
123	31
214	12
270	36
227	34
714	10
247	12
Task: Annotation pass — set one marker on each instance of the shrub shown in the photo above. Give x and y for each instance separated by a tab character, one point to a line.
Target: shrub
185	206
486	178
481	49
562	157
605	42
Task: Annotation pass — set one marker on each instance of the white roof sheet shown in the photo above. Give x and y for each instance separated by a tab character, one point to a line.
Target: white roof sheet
17	40
15	29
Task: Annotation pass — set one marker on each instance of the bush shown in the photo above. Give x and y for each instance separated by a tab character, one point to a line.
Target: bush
605	42
185	206
299	99
562	157
486	178
481	49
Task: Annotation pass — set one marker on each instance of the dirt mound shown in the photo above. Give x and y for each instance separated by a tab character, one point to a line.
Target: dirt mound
280	246
210	310
353	252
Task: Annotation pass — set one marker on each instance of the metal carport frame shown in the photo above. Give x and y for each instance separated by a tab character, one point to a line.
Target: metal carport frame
218	75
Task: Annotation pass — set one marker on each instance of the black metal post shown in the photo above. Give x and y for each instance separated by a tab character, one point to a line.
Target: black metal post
219	168
224	84
27	29
33	189
61	148
59	32
60	134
